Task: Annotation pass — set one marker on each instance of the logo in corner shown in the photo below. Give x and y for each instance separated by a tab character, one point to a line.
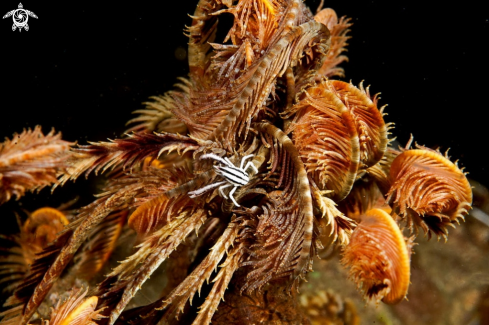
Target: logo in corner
20	17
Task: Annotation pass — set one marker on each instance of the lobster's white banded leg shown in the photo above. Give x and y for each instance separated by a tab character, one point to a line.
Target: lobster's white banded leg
229	163
223	187
250	164
213	156
231	196
243	161
204	189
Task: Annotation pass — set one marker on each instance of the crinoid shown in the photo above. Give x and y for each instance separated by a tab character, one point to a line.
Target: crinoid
234	177
30	161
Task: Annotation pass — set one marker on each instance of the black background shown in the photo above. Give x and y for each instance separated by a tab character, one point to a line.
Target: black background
83	68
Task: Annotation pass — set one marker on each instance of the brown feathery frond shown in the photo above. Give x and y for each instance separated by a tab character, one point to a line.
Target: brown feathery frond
146	186
347	129
96	251
339	30
274	248
127	152
27	289
231	110
244	93
379	258
118	197
428	190
163	239
158	116
256	22
76	310
258	86
325	134
202	110
168	161
13	265
371	128
155	211
221	281
135	270
12	315
31	161
201	33
305	224
167	308
336	225
231	61
40	229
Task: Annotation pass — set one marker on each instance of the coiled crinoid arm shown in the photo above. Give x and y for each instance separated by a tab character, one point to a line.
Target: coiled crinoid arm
338	131
378	257
429	191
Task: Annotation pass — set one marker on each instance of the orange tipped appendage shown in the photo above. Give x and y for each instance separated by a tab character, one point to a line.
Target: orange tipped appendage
371	128
379	258
45	217
76	310
269	6
337	130
325	134
149	215
428	190
82	313
40	229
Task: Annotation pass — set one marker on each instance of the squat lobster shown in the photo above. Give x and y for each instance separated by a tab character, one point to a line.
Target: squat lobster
234	176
